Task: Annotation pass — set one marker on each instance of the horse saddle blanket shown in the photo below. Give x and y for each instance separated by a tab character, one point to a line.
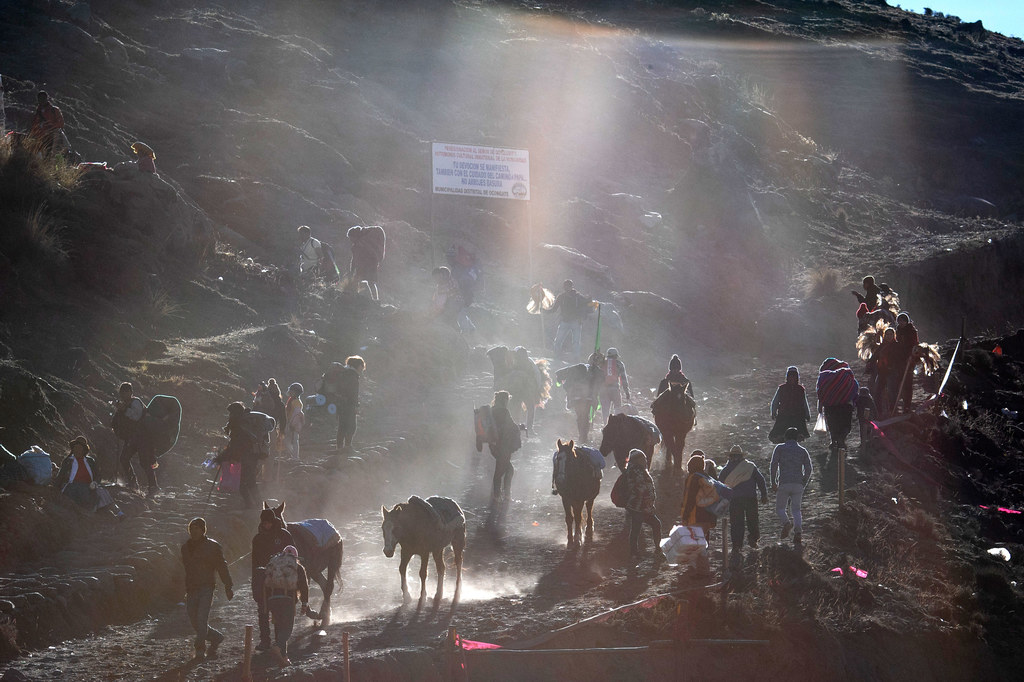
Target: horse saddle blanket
322	530
595	456
653	431
449	511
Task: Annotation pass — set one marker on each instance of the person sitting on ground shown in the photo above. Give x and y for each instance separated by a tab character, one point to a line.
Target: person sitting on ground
871	295
295	419
698	493
675	376
614	377
368	245
448	305
47	127
147	157
79	479
746	481
789	407
203	558
640	505
310	251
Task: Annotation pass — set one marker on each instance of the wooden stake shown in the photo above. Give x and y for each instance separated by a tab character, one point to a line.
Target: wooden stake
247	655
449	651
725	543
842	477
344	648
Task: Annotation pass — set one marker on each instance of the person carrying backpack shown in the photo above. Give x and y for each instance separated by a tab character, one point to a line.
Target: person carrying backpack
640	504
508	440
572	307
271	538
249	442
128	427
614	377
203	558
789	408
837	390
284	583
368	247
746	481
698	495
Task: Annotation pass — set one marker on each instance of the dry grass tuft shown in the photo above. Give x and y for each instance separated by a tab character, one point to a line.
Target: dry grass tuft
823	282
44	236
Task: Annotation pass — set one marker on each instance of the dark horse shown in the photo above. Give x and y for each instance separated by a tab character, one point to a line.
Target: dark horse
675	414
578	480
320	548
623	432
425	527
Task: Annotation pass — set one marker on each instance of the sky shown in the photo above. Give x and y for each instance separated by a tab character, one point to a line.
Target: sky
1003	16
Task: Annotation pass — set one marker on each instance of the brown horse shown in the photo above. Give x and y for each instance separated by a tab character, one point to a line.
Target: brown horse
320	548
623	432
424	527
577	479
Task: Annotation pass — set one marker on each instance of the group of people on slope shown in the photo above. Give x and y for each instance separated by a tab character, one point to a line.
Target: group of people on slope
276	592
368	245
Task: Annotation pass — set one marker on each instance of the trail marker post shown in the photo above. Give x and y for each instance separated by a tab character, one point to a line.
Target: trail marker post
247	655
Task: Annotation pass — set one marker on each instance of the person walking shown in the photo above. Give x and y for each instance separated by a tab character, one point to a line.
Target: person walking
614	377
790	470
906	339
746	481
640	505
368	243
789	408
572	307
837	390
448	304
509	440
203	558
310	252
247	437
698	494
129	427
271	538
295	419
348	400
285	582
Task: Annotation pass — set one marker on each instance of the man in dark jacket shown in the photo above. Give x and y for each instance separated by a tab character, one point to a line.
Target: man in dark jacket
203	558
572	307
675	376
907	339
271	538
746	481
243	447
509	439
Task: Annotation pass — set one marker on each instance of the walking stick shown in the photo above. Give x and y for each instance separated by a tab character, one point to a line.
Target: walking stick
895	403
214	484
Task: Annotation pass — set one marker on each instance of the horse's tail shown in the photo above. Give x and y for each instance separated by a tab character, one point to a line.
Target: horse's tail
335	554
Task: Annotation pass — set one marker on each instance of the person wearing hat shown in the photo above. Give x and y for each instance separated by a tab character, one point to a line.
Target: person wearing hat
614	377
746	481
203	558
675	376
789	471
79	476
271	538
573	308
906	339
640	504
871	295
789	408
147	157
295	419
281	604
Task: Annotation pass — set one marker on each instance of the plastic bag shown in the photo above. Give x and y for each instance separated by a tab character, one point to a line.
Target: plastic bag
819	425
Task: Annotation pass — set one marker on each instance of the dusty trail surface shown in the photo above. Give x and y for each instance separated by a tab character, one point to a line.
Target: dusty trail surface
518	584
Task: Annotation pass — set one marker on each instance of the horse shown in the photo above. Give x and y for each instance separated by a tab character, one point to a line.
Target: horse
623	432
425	527
577	479
320	548
675	414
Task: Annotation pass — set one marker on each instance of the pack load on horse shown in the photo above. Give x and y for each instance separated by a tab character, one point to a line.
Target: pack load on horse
321	549
425	527
675	415
623	432
576	476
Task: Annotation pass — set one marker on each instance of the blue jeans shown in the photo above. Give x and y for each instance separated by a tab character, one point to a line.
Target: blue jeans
572	330
197	605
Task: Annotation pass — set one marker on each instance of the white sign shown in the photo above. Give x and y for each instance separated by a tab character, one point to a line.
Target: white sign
472	171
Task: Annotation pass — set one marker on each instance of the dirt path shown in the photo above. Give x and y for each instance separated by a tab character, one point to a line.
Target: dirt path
516	586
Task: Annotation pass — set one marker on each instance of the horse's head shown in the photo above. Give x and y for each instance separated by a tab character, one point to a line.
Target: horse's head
611	433
389	527
272	516
567	448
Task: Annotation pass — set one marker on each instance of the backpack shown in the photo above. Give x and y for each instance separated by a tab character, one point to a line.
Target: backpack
260	426
281	573
374	238
486	429
620	491
36	463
